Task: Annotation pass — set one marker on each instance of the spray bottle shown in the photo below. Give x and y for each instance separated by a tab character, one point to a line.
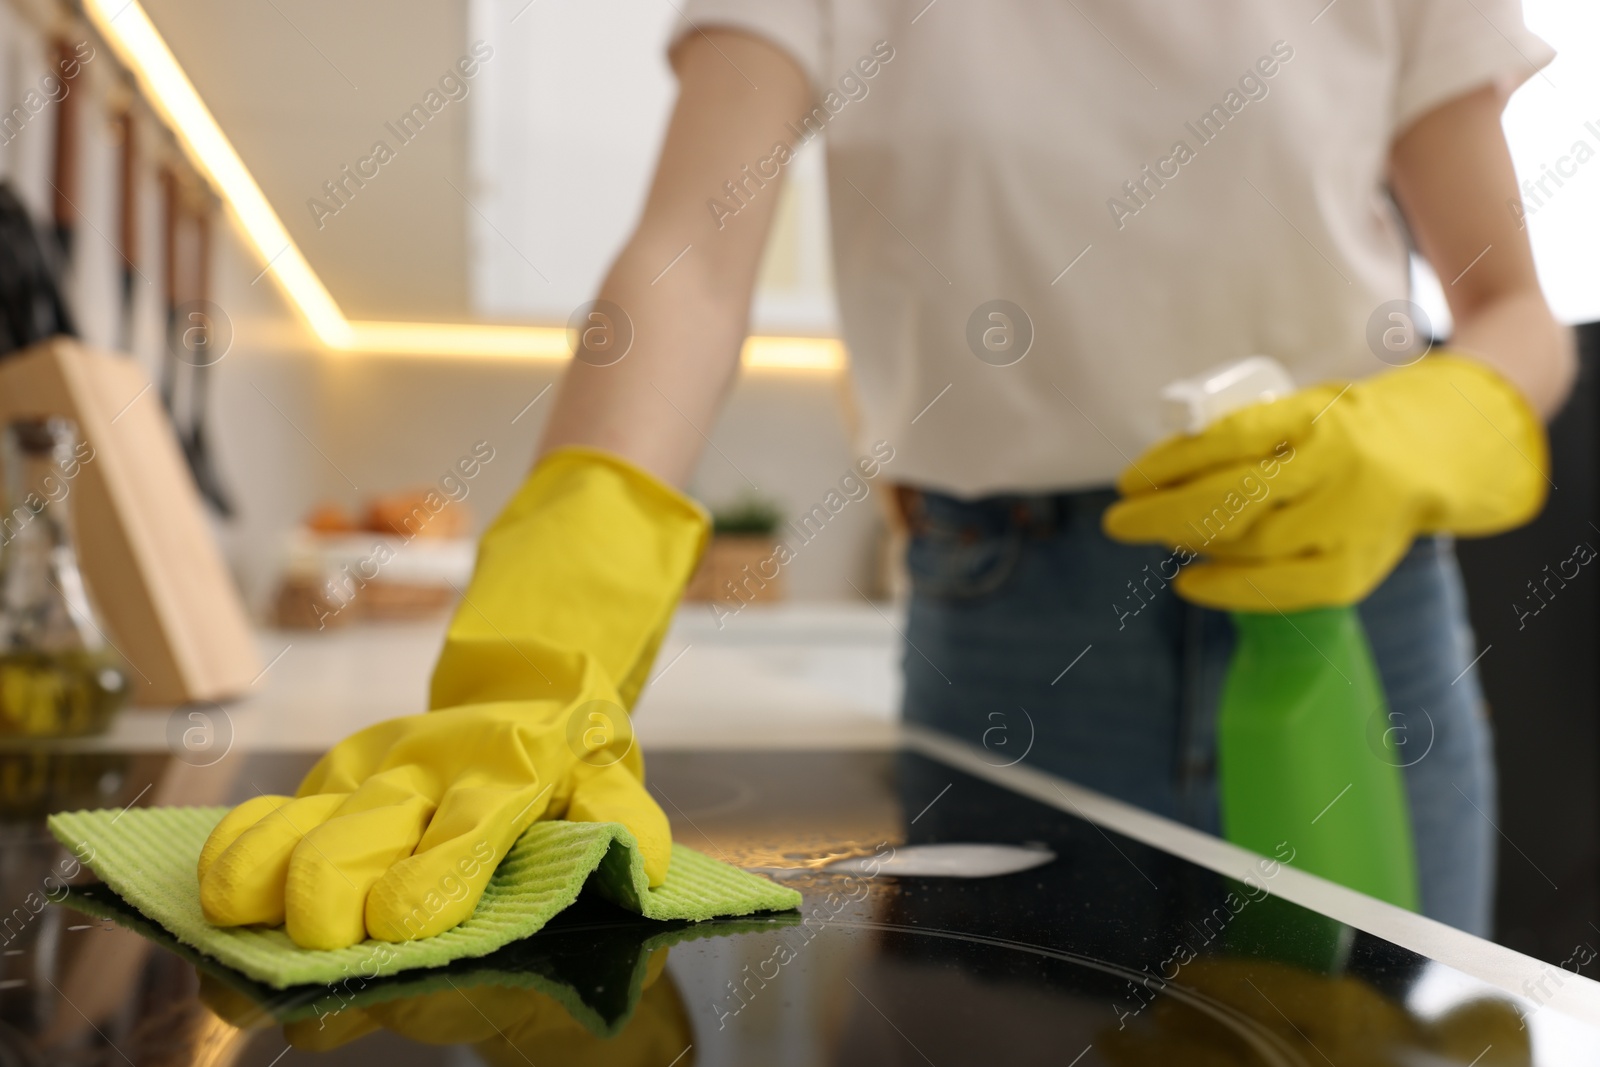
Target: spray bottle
1305	761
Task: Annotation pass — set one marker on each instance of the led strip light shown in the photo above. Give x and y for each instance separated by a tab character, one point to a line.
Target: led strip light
140	46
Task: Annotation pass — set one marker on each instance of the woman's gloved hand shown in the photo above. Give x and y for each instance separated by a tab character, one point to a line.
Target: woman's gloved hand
395	832
1311	500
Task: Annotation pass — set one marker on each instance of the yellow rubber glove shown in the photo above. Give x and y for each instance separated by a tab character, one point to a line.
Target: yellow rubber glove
592	554
396	831
1311	500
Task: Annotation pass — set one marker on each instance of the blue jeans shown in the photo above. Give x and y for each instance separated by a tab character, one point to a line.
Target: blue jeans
1030	630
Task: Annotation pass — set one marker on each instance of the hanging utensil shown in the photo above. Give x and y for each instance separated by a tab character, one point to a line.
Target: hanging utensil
127	220
64	168
193	341
31	305
203	337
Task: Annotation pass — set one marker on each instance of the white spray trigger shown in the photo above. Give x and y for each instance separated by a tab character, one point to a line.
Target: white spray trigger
1191	404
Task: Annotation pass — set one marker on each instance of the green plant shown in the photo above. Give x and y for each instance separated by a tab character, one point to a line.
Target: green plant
749	515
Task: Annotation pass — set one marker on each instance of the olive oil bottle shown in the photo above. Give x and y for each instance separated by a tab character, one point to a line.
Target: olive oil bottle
59	674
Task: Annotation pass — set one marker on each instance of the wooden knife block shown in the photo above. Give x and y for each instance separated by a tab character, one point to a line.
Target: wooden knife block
144	544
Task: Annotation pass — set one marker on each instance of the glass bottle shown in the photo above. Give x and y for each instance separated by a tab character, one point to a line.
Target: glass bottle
59	675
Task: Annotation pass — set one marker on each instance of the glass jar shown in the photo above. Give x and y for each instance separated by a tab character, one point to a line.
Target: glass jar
59	674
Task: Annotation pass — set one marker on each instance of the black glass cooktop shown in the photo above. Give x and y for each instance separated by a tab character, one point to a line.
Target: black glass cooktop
1110	953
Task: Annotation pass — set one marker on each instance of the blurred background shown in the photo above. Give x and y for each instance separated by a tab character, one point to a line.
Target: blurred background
504	203
507	207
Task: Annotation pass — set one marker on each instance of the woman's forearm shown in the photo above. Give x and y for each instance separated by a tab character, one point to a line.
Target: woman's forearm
683	283
1451	173
1517	335
654	405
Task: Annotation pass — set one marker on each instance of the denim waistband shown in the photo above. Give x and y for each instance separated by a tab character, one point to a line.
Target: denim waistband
1019	517
1035	514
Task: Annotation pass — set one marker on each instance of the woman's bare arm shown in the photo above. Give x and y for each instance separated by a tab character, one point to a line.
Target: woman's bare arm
1451	173
685	277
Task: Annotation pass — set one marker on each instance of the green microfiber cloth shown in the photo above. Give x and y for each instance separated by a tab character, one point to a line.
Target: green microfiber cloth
148	856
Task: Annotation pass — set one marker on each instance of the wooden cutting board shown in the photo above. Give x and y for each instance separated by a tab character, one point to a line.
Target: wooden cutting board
145	546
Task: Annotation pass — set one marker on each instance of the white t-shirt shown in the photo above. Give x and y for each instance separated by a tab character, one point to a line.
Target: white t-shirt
1160	187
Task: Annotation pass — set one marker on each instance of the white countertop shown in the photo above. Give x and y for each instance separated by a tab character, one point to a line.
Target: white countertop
790	674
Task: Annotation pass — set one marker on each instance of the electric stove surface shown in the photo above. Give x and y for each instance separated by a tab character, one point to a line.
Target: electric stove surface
1102	949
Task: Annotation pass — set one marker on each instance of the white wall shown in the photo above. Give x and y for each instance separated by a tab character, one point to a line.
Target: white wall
1547	118
565	136
303	88
390	423
25	154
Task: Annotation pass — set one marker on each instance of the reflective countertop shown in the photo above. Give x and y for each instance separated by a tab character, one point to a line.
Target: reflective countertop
1135	942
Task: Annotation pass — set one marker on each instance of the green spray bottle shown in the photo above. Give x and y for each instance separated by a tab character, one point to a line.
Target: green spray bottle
1306	763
